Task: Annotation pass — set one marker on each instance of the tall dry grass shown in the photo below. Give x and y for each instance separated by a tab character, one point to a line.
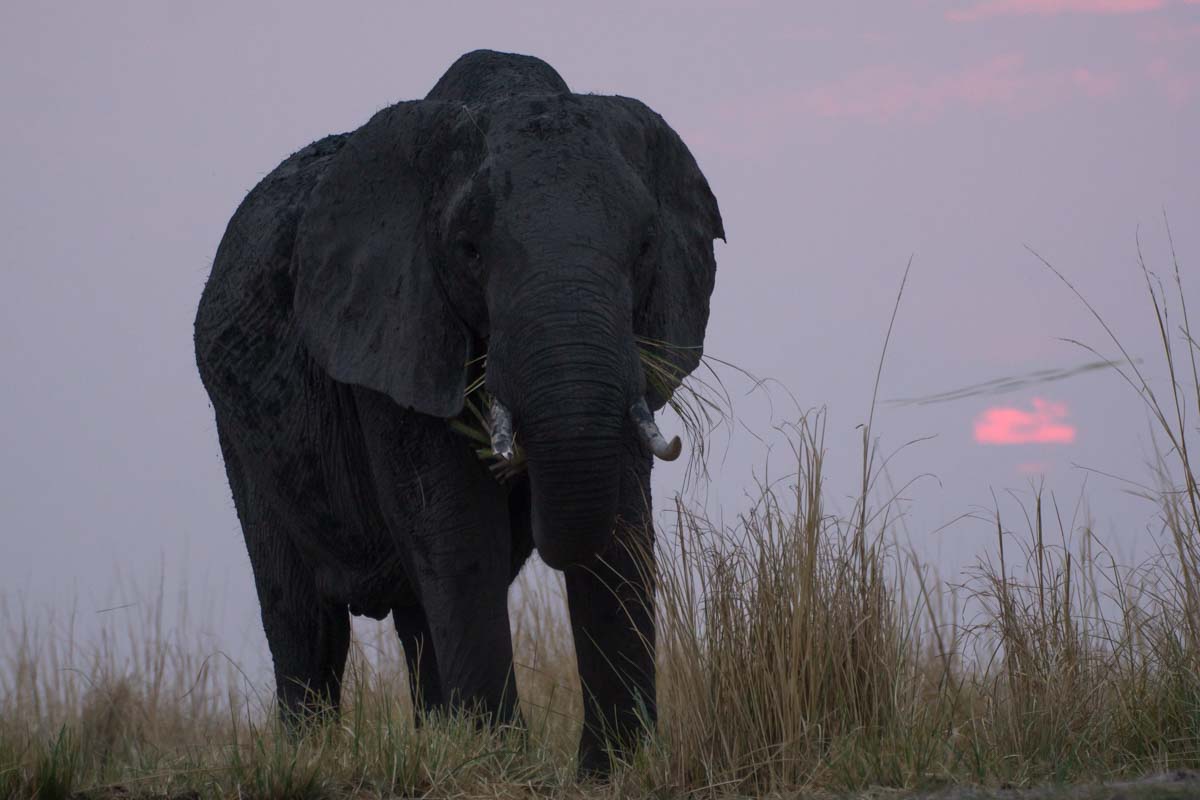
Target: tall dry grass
798	649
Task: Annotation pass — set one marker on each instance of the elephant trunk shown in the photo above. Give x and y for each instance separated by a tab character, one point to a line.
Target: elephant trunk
567	370
574	478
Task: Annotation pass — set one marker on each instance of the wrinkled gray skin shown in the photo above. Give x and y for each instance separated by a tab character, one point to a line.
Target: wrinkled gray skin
504	214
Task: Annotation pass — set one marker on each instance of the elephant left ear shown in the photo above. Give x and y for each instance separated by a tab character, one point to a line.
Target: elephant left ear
674	311
369	303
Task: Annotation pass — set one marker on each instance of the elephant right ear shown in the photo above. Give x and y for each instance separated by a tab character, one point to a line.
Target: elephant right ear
368	302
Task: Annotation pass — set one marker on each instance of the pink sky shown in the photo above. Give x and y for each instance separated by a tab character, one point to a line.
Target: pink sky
840	139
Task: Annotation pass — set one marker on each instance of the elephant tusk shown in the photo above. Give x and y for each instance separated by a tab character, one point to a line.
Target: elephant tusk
650	435
502	430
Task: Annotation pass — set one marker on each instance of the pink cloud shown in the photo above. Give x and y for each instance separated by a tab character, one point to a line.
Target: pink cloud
1179	86
1171	33
1045	424
997	8
1094	84
885	92
1003	81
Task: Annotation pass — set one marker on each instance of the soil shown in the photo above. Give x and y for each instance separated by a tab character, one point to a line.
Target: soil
1174	785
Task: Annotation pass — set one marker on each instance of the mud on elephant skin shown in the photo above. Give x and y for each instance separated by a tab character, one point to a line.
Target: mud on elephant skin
350	298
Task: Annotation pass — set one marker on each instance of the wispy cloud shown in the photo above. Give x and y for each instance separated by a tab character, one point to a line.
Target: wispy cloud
1045	424
999	8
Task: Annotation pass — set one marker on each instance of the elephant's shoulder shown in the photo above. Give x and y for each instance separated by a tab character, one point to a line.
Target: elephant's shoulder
281	195
264	224
308	160
246	304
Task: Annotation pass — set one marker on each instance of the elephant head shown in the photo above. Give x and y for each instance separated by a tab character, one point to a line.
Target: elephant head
505	214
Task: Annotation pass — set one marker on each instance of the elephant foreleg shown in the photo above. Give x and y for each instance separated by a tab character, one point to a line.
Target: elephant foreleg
611	605
423	680
451	518
309	639
464	591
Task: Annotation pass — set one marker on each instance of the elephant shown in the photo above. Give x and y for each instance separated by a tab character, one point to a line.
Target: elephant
504	232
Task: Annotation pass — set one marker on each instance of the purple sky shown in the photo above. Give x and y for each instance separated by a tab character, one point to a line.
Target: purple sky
838	137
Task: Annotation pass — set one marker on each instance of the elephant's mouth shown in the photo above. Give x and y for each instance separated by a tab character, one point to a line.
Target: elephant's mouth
504	445
491	425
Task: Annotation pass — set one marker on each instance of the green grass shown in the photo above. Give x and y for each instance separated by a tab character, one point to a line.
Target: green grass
799	651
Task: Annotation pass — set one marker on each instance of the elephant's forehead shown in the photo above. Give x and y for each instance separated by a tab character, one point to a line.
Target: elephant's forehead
554	138
539	177
549	150
563	120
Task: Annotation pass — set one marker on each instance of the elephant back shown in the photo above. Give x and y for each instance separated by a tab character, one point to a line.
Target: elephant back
483	76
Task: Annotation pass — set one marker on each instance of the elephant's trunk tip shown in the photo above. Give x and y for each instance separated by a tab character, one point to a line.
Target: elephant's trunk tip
650	435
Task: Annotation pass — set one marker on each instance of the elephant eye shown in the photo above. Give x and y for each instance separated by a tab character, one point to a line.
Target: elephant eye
649	237
467	248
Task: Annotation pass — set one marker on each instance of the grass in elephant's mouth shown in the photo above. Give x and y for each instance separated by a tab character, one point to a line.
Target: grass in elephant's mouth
797	650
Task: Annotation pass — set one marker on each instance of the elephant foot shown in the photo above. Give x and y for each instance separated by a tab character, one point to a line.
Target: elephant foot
303	715
598	758
593	765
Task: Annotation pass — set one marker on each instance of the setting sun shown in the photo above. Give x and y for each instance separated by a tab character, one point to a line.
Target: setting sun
1045	424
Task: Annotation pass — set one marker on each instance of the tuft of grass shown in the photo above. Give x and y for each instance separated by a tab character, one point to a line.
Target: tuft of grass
56	769
783	641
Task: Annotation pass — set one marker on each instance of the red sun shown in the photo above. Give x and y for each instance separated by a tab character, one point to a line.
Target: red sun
1045	424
